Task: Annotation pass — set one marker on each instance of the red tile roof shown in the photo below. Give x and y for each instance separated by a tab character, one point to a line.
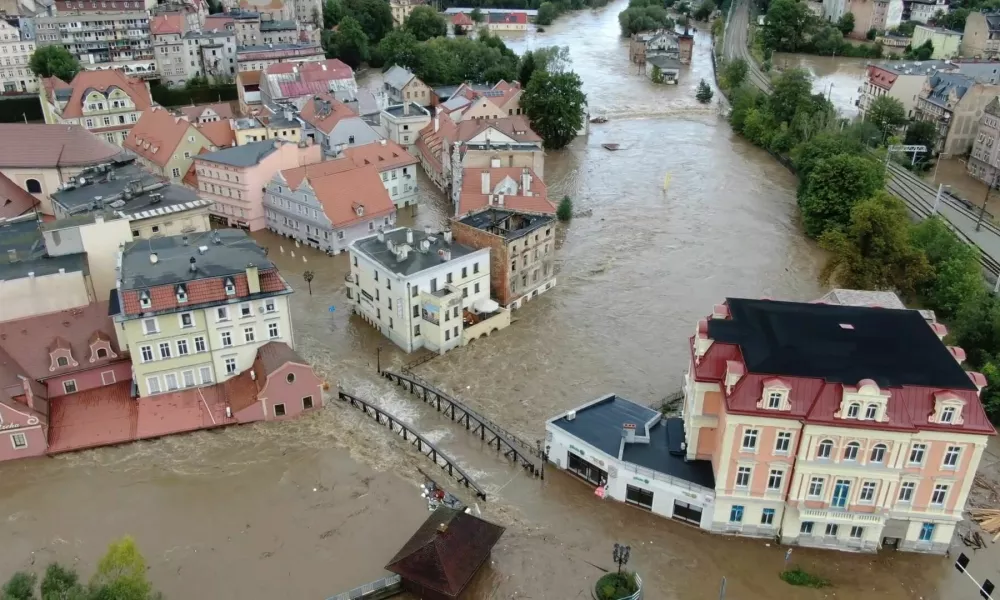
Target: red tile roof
96	417
462	19
31	339
249	77
14	200
881	77
519	18
219	22
384	154
343	188
170	23
320	70
223	109
323	112
220	133
157	135
48	146
200	291
101	80
429	141
472	197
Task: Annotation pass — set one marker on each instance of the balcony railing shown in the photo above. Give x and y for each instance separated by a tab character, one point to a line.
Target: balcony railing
844	516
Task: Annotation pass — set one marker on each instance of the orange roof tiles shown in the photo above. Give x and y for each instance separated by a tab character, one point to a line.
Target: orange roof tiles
473	199
49	146
200	291
170	23
323	112
103	81
249	77
384	154
220	133
342	189
195	111
157	135
14	200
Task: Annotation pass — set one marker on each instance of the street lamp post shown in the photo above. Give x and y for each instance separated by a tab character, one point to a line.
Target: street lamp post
378	359
937	199
621	555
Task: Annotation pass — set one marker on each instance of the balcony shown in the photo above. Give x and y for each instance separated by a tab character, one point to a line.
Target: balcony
482	324
836	516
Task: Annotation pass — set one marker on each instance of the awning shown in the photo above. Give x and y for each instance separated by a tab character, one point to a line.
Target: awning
485	306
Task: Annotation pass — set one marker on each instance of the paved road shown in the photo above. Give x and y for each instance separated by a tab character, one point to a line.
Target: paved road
918	196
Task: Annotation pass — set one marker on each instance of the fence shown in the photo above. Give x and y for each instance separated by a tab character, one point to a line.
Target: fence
381	588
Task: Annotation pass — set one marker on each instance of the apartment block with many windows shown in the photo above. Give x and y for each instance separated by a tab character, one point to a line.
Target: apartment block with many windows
848	427
194	310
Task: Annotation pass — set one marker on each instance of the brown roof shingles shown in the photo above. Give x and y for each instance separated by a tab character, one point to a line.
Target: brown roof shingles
342	188
384	154
220	133
103	81
49	146
170	23
473	198
200	291
14	201
157	135
194	112
314	112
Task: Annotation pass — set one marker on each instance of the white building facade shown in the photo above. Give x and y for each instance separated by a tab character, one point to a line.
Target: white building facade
16	48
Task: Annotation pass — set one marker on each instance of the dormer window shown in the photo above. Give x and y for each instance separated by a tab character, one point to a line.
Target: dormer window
853	410
774	400
868	396
948	415
230	287
871	411
182	296
62	361
775	395
947	409
144	300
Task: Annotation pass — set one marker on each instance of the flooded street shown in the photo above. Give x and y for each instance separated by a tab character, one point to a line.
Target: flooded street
309	508
835	77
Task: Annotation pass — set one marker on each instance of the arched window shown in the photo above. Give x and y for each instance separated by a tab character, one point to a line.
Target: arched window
33	186
825	449
870	411
853	410
878	453
851	451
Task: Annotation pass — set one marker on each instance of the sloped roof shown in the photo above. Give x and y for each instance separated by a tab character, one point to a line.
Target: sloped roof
48	146
195	111
220	133
446	551
167	23
942	84
462	19
14	201
103	80
384	154
398	77
519	18
157	135
246	155
472	197
342	188
249	77
324	111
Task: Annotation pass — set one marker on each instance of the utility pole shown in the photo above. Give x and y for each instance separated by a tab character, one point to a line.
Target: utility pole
982	209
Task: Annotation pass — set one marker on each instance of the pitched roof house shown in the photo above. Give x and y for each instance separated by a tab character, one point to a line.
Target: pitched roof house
515	188
165	143
104	101
336	126
288	80
205	113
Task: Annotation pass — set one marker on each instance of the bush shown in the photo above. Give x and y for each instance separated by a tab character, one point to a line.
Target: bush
614	586
797	576
565	211
177	96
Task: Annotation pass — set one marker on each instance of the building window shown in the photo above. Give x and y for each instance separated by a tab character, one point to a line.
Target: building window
62	361
416	329
164	350
153	385
230	366
199	344
767	517
171	381
736	514
939	494
857	532
182	347
307	402
832	529
187	320
743	477
33	186
227	339
188	378
749	439
774	400
269	306
245	310
222	313
639	497
816	487
851	451
870	411
476	288
249	334
147	353
150	326
774	479
867	492
447	334
69	386
878	453
951	456
906	491
783	442
926	532
206	374
825	449
176	172
806	527
948	414
917	454
272	331
841	490
853	410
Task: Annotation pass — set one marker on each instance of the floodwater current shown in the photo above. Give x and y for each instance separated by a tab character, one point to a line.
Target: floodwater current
308	508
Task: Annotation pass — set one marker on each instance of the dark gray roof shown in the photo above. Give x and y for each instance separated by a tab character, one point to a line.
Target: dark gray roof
397	77
663	61
507	223
416	260
600	424
942	85
211	33
227	252
125	187
396	110
993	21
993	108
64	93
278	25
24	237
271	47
279	122
242	156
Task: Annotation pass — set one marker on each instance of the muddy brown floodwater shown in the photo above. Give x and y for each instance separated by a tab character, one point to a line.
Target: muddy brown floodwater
309	508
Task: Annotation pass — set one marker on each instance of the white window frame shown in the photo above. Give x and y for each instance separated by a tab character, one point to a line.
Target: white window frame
774	400
952	456
166	382
183	343
948	414
203	344
249	335
164	346
142	354
775	475
180	320
857	532
882	450
201	374
741	472
871	488
270	305
853	410
75	388
273	331
918	449
786	437
221	313
857	450
246	310
816	485
149	388
184	378
871	412
908	489
749	434
156	326
226	339
231	361
829	452
940	494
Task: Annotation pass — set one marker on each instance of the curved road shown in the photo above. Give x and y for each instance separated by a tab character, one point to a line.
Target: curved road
918	196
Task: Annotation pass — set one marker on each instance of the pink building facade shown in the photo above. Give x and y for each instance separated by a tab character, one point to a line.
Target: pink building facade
848	427
234	178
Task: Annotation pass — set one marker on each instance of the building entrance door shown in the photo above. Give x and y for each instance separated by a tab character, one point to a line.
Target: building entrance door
687	513
586	470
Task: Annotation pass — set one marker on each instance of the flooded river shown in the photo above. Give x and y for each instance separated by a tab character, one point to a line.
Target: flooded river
313	507
837	78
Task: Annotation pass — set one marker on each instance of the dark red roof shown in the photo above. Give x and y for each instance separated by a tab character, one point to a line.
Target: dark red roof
881	77
447	550
201	291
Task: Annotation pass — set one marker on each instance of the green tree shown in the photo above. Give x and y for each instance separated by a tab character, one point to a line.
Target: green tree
822	146
923	52
835	185
54	61
704	10
791	93
991	395
875	252
349	43
425	23
333	12
887	114
656	75
922	133
643	15
20	586
121	573
554	104
565	211
705	93
401	48
526	68
735	73
61	583
215	7
846	23
871	35
957	273
788	25
476	15
547	13
374	16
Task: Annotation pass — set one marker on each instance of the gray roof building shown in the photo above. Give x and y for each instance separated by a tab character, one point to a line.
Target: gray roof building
179	259
397	77
22	251
507	223
380	248
943	84
242	156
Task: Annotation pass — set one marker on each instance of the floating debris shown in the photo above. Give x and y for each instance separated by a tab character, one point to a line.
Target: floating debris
611	147
599	120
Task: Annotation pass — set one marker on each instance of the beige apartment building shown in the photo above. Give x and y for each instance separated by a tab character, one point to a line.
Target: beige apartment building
166	144
984	162
955	103
16	48
167	32
981	38
98	35
401	9
902	81
106	103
